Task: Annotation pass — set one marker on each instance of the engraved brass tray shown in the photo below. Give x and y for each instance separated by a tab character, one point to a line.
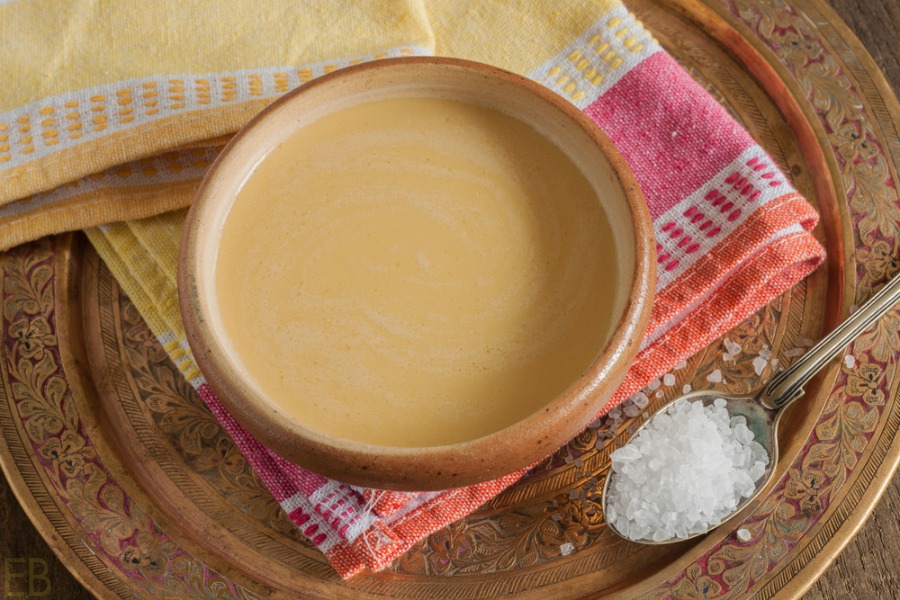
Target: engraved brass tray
137	489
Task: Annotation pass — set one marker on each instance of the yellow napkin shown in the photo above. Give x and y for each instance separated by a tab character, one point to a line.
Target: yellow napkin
112	109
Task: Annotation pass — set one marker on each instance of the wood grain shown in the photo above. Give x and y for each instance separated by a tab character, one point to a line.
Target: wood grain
867	569
875	23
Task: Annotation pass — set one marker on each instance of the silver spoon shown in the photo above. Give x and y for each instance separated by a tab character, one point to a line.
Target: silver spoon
764	410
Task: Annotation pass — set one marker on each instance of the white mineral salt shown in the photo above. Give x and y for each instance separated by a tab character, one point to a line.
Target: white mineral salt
683	473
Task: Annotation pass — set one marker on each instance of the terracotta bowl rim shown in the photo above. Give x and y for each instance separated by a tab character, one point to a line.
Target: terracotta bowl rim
516	447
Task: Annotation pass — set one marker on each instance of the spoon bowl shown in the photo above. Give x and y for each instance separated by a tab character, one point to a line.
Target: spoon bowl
764	410
762	421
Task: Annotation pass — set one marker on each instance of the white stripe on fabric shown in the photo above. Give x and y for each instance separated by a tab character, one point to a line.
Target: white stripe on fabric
171	167
180	353
358	521
340	499
52	124
289	505
598	58
299	501
691	228
684	313
359	526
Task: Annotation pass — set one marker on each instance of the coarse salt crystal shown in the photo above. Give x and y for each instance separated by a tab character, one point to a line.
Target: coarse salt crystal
732	349
566	549
683	473
640	400
759	364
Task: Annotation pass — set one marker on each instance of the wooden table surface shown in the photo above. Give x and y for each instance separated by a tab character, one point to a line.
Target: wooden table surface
868	569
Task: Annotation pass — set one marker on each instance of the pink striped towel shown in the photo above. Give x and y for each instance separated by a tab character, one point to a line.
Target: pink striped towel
732	233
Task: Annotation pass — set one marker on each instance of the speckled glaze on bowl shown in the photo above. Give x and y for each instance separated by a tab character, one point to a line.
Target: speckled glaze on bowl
433	467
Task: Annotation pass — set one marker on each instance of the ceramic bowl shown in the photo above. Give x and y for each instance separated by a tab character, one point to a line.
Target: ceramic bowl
424	467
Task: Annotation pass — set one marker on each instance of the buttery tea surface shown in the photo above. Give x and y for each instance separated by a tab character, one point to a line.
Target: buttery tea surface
415	272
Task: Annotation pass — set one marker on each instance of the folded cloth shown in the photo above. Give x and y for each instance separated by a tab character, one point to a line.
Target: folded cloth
96	129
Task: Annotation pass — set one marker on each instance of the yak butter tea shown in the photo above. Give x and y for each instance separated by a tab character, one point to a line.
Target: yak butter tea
415	272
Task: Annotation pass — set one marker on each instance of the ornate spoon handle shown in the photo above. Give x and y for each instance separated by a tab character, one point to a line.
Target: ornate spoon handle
787	385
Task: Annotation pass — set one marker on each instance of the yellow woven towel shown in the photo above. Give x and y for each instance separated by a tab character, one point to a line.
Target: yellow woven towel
112	109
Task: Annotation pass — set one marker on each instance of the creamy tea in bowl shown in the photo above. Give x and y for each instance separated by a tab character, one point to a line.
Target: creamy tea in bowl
417	274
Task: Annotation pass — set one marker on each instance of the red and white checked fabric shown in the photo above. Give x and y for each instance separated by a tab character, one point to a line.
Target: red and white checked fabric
732	233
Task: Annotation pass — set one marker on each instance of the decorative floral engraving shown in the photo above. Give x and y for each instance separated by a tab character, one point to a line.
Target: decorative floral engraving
31	337
804	487
187	423
865	384
853	409
47	412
